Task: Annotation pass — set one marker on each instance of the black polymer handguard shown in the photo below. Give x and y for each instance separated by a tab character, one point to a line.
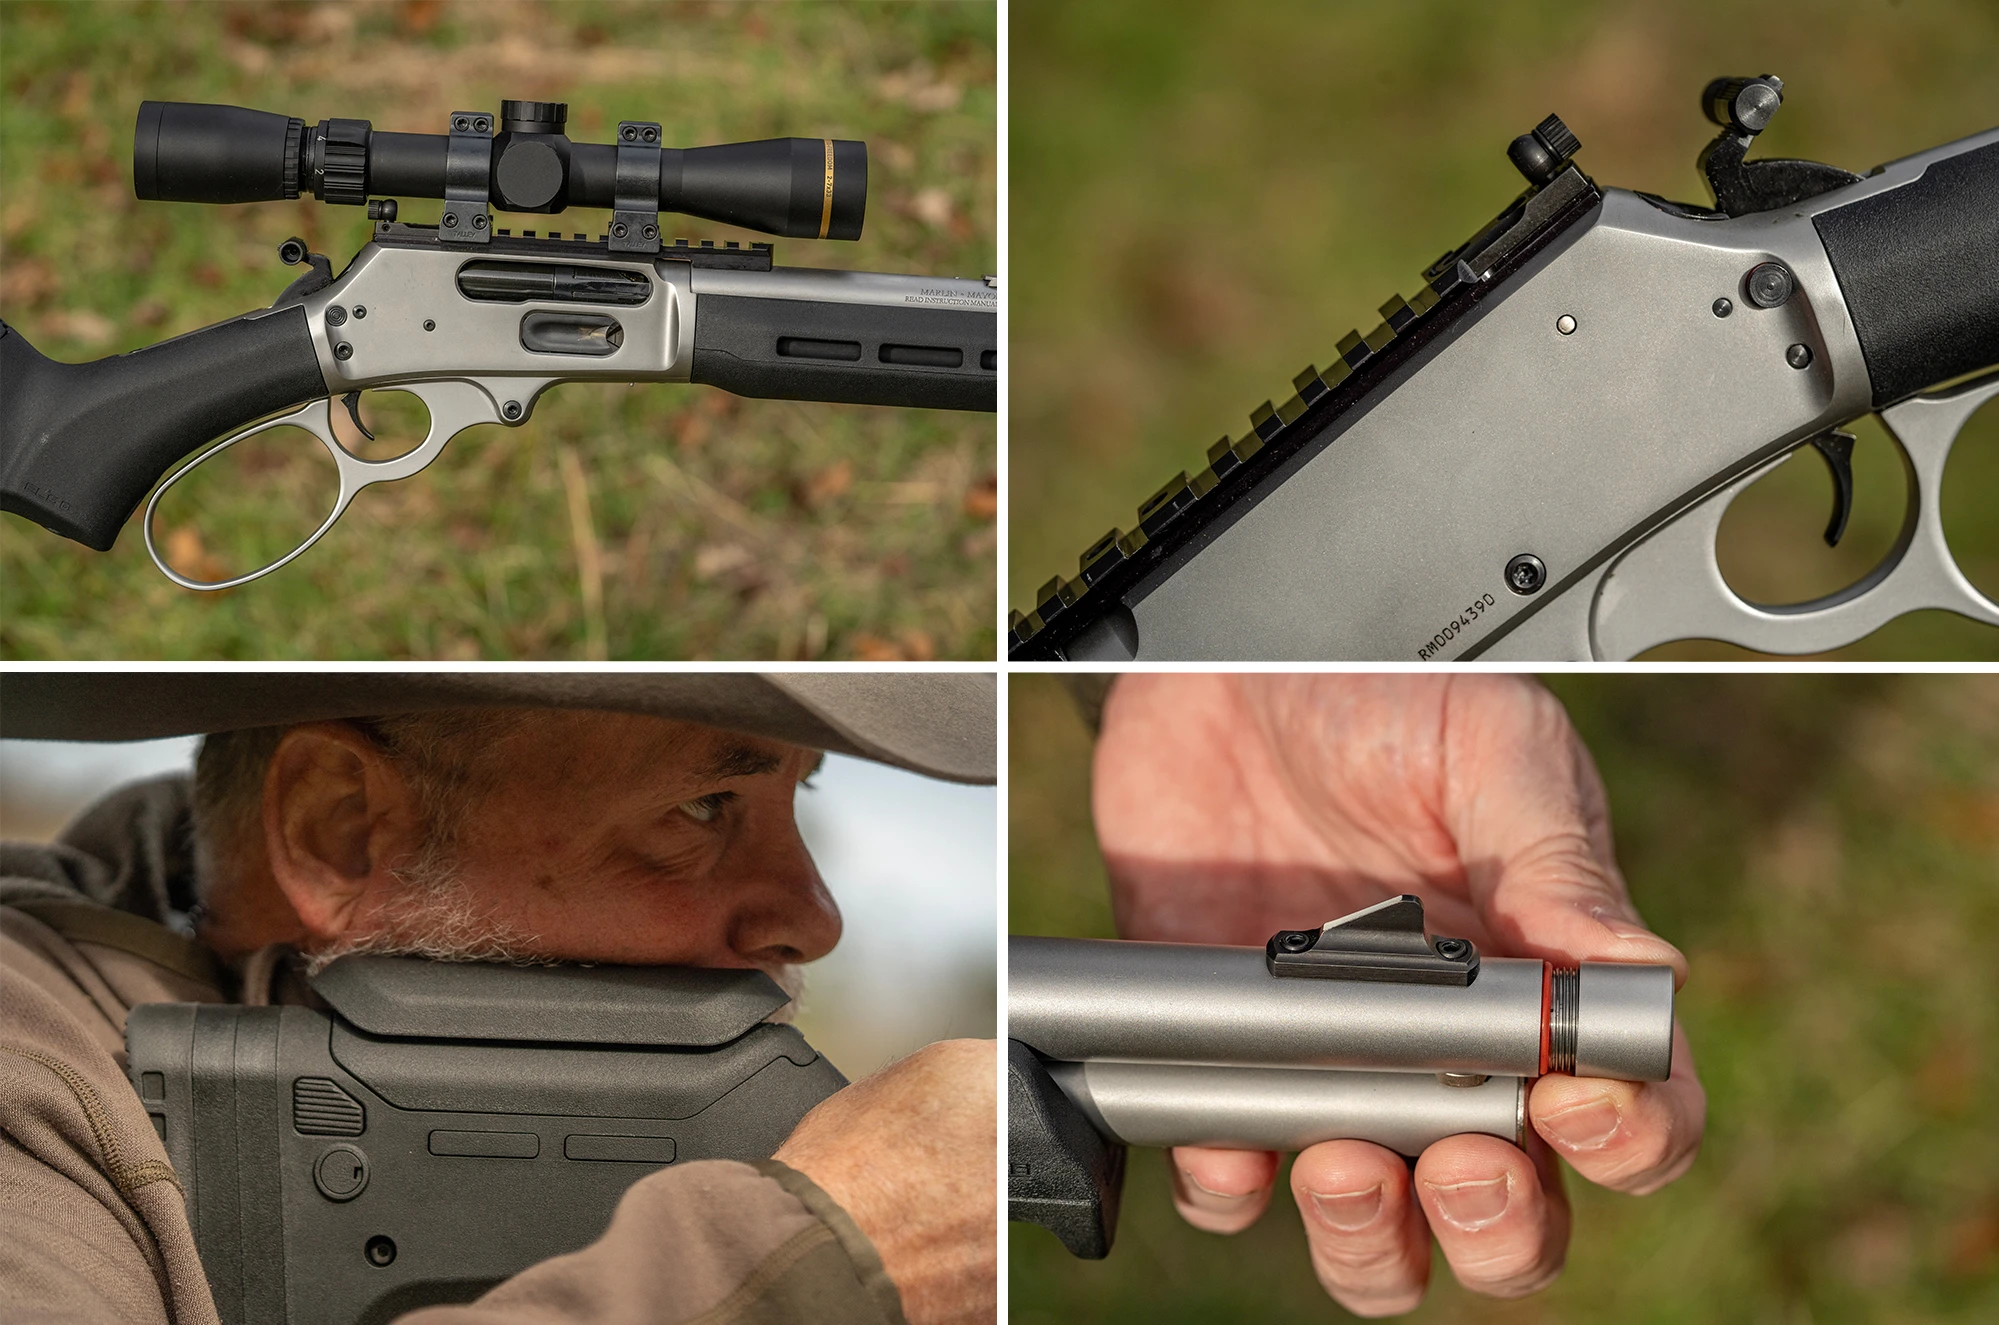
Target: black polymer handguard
445	1126
82	443
1919	267
864	354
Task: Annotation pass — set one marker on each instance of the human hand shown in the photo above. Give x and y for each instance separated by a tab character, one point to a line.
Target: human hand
908	1154
1229	807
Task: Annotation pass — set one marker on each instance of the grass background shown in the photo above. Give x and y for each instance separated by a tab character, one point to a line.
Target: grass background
643	522
1204	198
1824	849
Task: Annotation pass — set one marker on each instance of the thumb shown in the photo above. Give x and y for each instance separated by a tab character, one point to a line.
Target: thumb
1524	802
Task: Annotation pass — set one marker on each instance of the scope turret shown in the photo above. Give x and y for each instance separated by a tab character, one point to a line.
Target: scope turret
799	187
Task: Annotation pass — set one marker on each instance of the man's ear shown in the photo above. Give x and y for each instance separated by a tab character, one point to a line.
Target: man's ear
338	815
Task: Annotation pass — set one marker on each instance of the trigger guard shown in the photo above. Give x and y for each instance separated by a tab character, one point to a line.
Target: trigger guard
1669	586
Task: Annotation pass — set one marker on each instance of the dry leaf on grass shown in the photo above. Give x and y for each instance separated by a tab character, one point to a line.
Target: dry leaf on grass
829	483
982	499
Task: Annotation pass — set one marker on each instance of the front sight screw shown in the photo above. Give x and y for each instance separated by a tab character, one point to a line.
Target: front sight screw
1295	942
1452	949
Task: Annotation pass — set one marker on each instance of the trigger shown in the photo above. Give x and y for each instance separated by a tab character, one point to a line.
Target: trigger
352	400
1837	448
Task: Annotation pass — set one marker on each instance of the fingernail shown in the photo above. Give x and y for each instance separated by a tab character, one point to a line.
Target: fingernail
1348	1211
1470	1205
1207	1198
1622	927
1586	1126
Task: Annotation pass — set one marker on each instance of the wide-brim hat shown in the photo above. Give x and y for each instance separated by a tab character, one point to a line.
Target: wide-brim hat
944	725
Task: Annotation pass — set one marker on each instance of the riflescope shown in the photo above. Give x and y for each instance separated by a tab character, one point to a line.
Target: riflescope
522	161
1367	1028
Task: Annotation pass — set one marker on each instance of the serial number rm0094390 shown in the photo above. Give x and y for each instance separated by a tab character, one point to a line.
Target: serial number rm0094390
1478	608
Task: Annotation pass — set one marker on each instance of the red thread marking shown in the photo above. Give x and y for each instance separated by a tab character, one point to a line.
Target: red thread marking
1547	1010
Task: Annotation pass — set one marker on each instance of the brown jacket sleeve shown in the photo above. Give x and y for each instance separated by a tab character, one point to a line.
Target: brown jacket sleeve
92	1225
715	1243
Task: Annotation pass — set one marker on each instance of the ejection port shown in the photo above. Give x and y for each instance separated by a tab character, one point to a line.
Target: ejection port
571	333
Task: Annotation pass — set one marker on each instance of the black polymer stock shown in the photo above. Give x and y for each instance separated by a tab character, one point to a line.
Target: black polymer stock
442	1126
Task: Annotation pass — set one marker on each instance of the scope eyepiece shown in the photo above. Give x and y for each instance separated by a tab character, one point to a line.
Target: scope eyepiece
809	188
183	152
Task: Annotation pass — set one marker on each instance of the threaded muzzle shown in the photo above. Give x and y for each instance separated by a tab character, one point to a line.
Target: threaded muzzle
1565	989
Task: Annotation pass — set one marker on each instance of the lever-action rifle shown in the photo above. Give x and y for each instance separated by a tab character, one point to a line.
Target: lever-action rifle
477	322
1364	1029
444	1126
1530	458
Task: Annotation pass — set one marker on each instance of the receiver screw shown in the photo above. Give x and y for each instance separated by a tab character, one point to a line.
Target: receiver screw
1566	325
360	310
343	351
429	325
512	409
380	1251
1723	307
1525	574
1769	284
1799	356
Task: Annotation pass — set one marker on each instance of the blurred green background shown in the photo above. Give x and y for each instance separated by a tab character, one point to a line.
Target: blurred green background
1825	849
1204	198
628	522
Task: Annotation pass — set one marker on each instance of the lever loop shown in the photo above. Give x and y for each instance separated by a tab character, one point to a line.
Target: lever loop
453	406
1669	586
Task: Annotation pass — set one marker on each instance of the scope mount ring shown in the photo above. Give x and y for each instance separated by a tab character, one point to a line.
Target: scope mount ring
454	405
635	224
468	180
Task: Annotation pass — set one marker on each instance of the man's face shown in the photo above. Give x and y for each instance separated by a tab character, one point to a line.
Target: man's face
580	836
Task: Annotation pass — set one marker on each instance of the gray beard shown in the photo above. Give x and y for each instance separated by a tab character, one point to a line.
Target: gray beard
438	916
